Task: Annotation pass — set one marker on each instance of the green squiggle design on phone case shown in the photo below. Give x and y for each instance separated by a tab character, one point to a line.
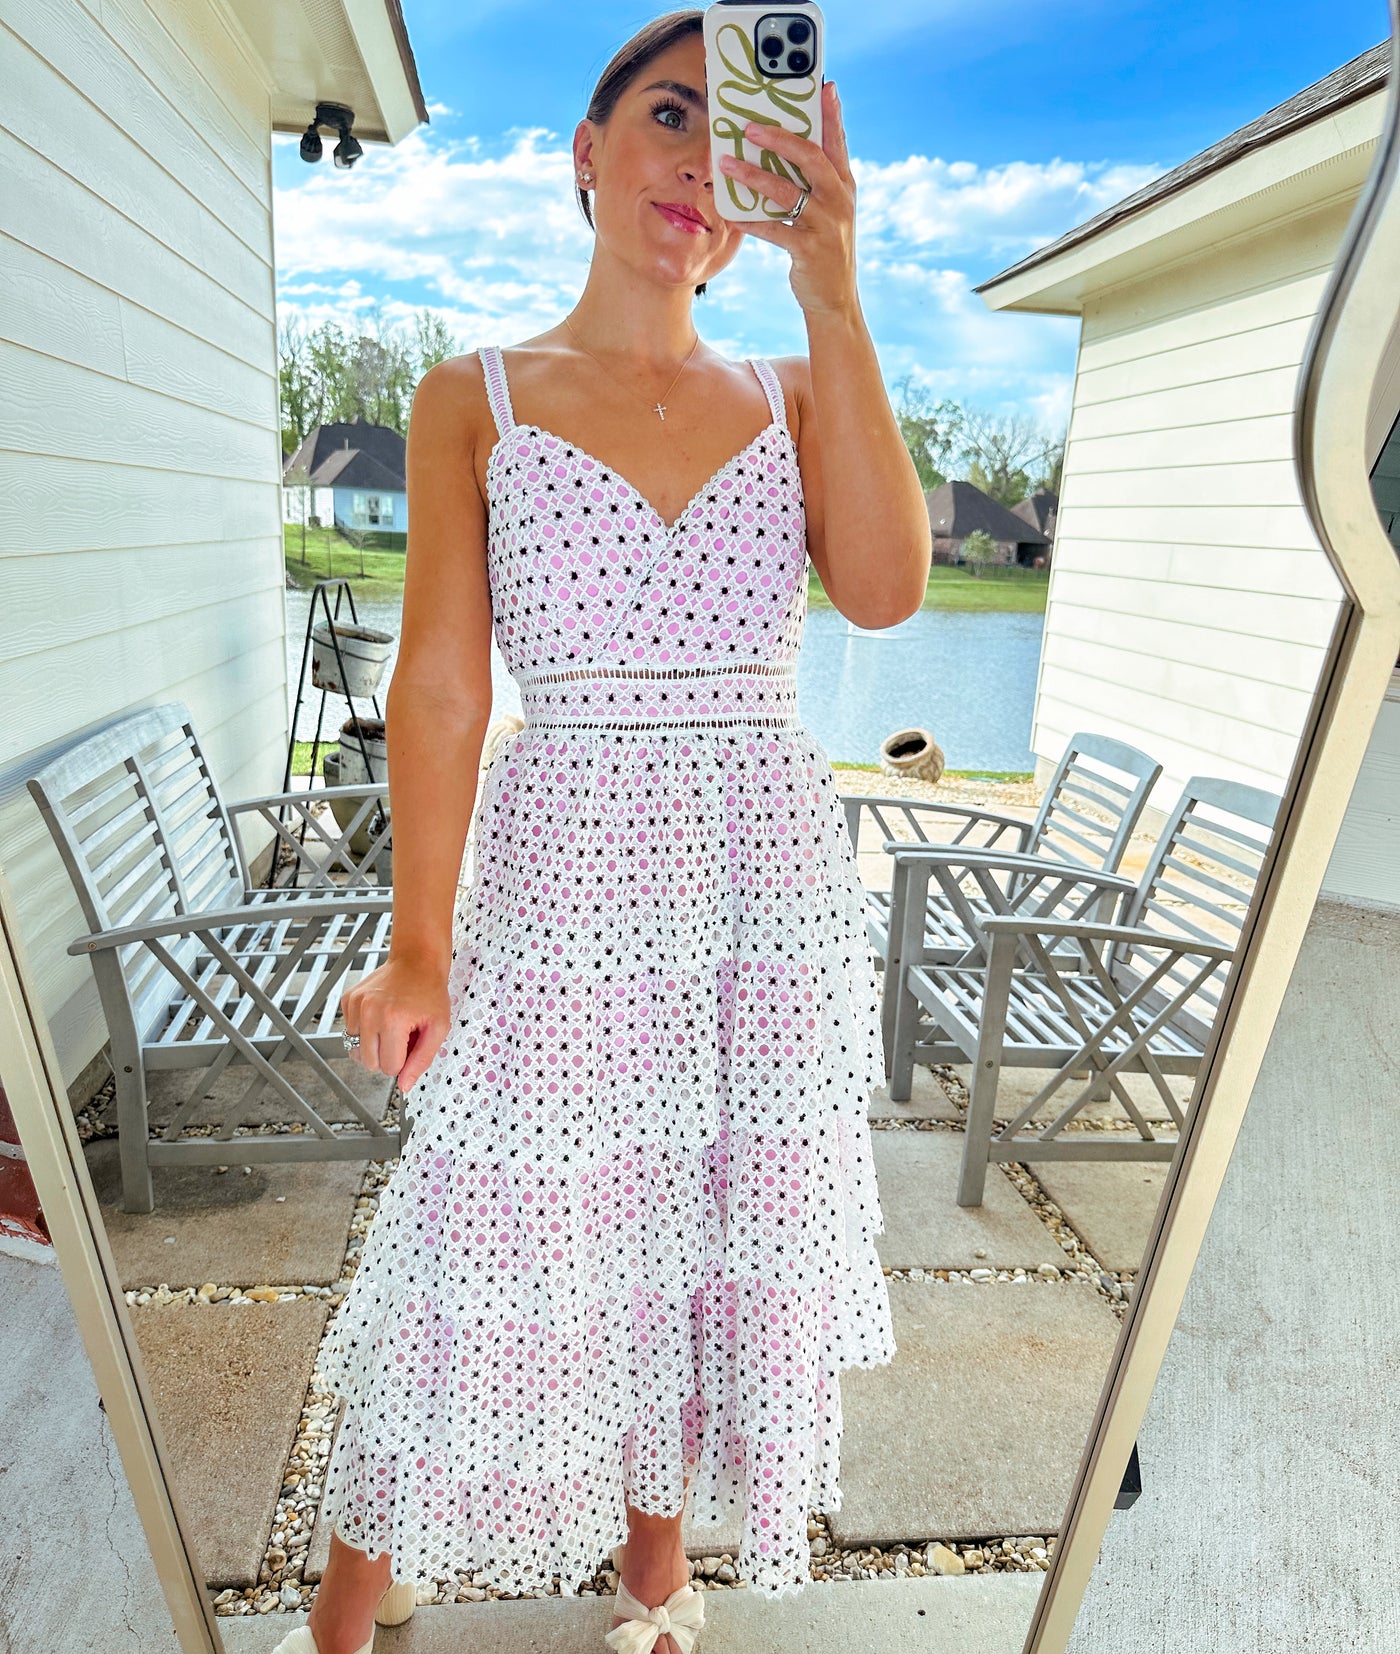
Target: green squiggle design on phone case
761	93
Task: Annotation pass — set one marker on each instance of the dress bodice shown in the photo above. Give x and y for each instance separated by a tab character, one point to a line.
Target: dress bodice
603	610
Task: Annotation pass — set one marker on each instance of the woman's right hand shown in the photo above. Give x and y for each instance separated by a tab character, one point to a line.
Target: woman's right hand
401	1011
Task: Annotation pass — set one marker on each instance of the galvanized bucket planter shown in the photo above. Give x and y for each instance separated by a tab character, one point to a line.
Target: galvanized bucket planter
345	809
364	651
369	733
912	752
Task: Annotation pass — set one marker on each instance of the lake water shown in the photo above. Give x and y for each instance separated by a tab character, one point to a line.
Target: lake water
967	678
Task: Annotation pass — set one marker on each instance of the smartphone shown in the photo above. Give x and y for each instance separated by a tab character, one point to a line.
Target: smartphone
762	63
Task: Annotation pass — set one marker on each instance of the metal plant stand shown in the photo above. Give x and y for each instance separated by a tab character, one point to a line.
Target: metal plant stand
321	599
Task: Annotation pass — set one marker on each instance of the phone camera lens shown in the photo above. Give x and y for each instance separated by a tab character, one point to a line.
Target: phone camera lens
798	29
772	47
798	61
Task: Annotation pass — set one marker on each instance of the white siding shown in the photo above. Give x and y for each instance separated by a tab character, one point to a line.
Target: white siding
140	548
1190	604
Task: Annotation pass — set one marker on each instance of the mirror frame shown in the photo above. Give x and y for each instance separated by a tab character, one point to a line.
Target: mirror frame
1336	382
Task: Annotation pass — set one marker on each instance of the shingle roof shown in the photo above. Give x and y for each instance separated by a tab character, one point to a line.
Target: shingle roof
380	442
350	468
955	509
1040	509
1362	75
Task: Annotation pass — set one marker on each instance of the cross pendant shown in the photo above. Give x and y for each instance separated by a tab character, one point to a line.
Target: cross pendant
660	408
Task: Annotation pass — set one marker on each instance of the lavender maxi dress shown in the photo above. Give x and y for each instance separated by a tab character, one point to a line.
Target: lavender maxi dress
630	1238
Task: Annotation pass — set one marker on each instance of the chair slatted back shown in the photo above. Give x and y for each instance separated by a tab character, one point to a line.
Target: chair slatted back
1199	883
1092	804
144	835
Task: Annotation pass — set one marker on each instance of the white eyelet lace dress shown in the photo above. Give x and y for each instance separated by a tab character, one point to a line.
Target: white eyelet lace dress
630	1237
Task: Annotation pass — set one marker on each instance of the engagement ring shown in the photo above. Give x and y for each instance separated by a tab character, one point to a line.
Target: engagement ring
351	1041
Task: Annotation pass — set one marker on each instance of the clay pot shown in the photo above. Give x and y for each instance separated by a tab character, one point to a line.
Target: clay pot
912	752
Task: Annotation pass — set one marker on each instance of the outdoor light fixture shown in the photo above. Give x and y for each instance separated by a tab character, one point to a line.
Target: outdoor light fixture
348	150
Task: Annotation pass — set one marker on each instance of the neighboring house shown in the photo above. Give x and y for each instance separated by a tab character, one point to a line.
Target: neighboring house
1040	511
143	460
348	476
957	509
1190	605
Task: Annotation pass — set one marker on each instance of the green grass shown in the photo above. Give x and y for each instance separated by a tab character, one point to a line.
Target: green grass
954	775
1014	591
1009	591
327	556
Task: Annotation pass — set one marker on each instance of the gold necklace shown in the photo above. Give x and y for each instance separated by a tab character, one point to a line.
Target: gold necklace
659	406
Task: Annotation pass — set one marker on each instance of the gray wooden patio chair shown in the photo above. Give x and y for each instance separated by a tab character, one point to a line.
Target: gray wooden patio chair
313	851
1086	816
1088	1000
197	969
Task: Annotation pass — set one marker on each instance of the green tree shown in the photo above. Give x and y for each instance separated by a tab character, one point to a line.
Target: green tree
979	550
931	430
332	375
1003	453
434	343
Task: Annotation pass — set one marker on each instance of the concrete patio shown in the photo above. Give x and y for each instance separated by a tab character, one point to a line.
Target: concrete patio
957	1457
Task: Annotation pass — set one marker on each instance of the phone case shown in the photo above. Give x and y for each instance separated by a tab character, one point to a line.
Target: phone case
739	92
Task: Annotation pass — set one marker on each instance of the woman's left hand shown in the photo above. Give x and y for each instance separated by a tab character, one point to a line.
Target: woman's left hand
822	241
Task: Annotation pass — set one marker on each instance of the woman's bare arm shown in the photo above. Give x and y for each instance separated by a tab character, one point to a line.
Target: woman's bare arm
437	712
868	532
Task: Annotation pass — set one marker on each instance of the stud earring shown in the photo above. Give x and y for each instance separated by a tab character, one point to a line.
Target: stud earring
585	178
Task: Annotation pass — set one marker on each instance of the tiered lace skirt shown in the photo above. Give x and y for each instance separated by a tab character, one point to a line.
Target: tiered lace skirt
629	1243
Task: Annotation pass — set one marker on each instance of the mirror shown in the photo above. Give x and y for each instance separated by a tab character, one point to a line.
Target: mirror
1077	971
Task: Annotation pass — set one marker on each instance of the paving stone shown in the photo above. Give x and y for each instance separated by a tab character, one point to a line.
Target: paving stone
927	1100
979	1423
281	1224
974	1614
1110	1204
1018	1085
925	1228
709	1541
168	1089
229	1382
78	1572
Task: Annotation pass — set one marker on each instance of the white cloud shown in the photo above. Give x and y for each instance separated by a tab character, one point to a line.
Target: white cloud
489	237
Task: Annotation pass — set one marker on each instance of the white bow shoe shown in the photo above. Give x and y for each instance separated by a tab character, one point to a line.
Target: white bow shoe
679	1617
395	1606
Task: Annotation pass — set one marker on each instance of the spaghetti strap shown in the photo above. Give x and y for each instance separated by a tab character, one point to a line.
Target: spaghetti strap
494	367
772	387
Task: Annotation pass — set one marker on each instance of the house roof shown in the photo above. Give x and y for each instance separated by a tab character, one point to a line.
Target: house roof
379	444
956	509
350	468
1356	79
1040	509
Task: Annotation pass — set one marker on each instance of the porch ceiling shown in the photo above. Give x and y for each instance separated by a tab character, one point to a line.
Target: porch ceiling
354	52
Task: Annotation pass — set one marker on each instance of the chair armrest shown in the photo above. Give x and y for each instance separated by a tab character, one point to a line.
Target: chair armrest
955	856
310	795
197	924
855	803
1131	935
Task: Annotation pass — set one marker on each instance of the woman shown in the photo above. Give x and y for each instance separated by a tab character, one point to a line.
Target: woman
628	1244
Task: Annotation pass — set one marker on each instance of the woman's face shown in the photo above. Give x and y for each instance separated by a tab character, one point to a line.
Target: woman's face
651	169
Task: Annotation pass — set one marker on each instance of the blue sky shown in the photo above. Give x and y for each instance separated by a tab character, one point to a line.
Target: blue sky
979	130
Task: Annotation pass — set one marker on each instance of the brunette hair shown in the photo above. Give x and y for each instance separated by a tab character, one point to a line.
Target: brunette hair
626	64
